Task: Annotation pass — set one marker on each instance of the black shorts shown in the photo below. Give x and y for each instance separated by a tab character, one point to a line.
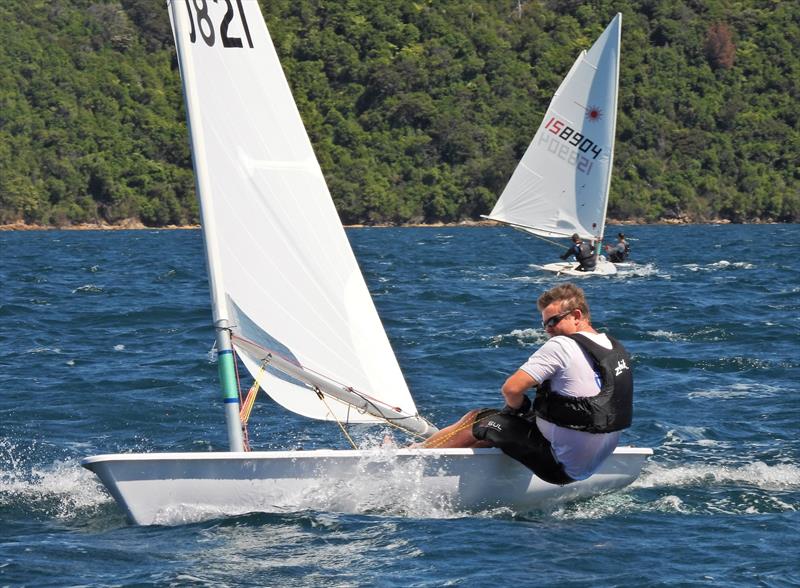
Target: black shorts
521	439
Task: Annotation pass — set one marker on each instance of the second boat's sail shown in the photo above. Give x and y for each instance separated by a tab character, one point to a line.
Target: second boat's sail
561	185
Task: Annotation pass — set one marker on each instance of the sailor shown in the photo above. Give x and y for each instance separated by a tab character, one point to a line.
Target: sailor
584	398
583	252
620	251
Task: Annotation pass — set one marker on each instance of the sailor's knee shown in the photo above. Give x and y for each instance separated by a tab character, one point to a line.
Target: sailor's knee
471	416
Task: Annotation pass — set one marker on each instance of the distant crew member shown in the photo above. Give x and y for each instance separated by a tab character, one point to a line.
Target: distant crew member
583	252
620	251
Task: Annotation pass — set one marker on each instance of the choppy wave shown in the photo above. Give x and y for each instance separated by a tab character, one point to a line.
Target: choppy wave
716	363
89	289
645	270
44	350
521	337
737	390
668	335
755	475
722	264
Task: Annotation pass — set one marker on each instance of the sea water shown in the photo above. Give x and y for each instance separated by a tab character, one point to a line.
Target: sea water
106	346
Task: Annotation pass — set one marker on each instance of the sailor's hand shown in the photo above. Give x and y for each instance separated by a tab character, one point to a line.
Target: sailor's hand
522	410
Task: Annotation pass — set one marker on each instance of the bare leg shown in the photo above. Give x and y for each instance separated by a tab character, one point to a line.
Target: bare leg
458	434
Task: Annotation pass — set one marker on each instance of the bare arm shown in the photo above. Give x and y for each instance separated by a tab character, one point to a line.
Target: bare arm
515	387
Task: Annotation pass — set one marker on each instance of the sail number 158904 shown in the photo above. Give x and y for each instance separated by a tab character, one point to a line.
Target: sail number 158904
200	20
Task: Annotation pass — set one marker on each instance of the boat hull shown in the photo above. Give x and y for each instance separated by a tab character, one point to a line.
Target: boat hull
567	268
174	488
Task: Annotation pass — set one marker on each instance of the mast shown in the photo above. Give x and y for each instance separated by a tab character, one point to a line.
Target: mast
616	43
227	366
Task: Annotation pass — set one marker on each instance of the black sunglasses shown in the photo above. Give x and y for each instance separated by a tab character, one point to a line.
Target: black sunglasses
554	320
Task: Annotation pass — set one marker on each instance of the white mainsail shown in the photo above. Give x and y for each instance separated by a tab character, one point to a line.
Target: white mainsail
561	184
281	268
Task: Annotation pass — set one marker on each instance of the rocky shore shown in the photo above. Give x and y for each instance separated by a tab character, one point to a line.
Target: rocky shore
131	224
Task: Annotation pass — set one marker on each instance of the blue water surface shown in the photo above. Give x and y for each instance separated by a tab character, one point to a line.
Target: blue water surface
105	346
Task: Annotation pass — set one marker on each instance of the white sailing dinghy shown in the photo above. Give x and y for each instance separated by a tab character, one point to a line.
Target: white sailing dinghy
288	296
561	184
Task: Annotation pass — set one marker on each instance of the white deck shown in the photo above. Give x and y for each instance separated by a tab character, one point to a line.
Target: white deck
567	268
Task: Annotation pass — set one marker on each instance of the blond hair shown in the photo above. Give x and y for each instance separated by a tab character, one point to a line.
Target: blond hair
569	295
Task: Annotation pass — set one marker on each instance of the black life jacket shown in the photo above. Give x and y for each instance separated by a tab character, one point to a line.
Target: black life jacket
626	253
617	256
585	255
611	410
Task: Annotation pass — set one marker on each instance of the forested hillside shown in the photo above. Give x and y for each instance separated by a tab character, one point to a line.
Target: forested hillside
418	111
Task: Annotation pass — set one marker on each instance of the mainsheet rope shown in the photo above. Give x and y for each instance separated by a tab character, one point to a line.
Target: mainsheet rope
321	396
458	429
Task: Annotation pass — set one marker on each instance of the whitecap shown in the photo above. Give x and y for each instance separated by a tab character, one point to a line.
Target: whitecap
640	271
88	289
522	337
756	474
670	503
54	350
737	391
722	264
668	335
680	435
711	443
598	507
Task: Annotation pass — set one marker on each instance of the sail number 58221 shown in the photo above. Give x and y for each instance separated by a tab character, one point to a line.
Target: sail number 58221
200	20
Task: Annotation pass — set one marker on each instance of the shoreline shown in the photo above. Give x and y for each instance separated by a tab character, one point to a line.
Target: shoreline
129	225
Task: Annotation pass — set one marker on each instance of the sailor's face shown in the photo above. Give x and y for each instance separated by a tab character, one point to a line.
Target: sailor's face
558	322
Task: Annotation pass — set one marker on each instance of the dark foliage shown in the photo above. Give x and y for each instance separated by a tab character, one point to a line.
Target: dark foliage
417	111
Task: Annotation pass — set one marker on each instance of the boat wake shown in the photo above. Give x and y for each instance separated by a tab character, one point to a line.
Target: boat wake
646	270
696	490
